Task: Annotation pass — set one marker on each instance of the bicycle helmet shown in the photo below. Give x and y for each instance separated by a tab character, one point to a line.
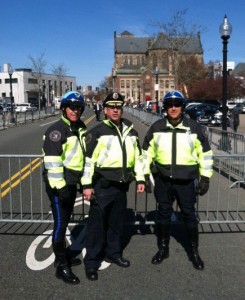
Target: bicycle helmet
174	96
72	99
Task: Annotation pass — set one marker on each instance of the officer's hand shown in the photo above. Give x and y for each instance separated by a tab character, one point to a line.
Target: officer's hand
140	188
203	185
87	193
64	194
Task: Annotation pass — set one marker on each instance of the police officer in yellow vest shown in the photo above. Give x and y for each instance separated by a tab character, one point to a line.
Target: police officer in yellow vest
177	150
113	161
64	152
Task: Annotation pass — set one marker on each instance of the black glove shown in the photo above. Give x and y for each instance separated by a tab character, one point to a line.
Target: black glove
203	185
64	195
147	184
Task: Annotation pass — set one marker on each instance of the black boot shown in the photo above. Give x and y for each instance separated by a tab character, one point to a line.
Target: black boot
163	238
63	269
194	255
71	259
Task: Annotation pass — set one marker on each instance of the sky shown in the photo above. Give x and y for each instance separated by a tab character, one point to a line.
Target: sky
79	33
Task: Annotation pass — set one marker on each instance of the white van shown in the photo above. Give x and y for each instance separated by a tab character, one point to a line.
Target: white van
24	107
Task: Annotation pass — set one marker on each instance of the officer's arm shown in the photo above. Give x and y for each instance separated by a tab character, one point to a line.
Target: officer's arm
52	148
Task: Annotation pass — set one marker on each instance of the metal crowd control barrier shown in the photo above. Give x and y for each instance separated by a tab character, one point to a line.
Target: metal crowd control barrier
23	198
226	141
24	117
145	117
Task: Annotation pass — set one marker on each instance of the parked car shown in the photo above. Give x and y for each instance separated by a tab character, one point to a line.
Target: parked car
24	107
231	104
5	108
205	114
141	106
149	106
240	107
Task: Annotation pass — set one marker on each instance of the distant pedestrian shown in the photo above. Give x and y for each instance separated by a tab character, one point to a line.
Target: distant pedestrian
234	119
97	110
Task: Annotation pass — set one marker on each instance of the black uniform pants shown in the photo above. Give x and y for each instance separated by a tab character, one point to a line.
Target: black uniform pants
105	225
61	211
97	113
168	190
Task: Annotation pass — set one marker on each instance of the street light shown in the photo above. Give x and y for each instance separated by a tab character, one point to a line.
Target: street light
139	92
225	30
156	87
10	71
114	79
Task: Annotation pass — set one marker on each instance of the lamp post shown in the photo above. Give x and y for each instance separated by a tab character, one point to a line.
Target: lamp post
225	30
156	87
114	78
10	71
139	93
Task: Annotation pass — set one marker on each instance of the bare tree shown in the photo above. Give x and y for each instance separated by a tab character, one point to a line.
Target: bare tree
59	71
107	84
179	34
190	72
38	69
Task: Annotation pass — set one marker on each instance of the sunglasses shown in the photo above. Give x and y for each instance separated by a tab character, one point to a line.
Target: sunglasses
114	107
174	104
74	107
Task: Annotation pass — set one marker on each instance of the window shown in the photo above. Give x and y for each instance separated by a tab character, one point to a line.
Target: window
165	63
166	84
122	84
125	62
133	84
154	62
60	88
55	87
127	84
32	81
147	86
161	84
14	80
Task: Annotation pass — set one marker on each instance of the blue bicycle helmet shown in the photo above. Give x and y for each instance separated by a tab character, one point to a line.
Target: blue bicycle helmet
72	99
174	96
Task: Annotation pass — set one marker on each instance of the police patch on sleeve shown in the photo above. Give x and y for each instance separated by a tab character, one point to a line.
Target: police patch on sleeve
55	135
204	131
88	138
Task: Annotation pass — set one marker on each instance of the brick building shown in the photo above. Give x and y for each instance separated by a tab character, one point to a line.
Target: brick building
144	67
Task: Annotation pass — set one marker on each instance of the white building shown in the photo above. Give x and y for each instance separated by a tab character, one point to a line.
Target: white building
218	68
29	87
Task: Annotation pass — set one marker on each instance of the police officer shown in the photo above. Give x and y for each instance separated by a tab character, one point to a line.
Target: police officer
64	149
177	150
113	160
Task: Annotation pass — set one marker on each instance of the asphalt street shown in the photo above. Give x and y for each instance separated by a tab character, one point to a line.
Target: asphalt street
222	247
